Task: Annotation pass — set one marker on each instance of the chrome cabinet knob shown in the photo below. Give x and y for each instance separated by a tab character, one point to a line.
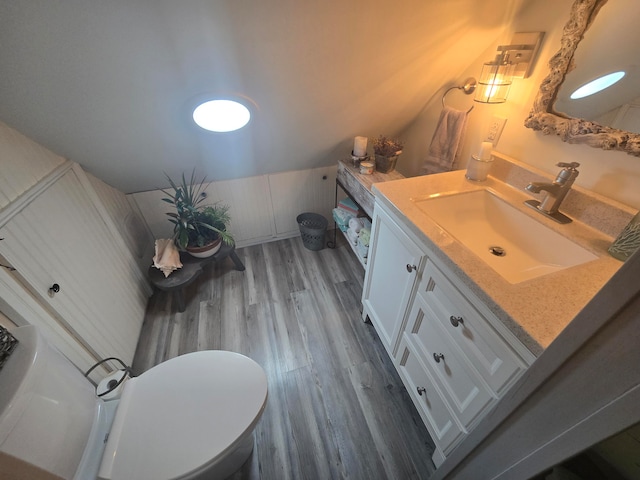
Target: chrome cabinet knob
455	321
438	356
421	390
411	268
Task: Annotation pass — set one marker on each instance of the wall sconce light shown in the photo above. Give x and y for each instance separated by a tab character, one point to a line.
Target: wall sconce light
512	61
495	80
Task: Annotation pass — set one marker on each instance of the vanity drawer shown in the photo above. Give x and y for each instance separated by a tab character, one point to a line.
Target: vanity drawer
465	392
487	351
427	398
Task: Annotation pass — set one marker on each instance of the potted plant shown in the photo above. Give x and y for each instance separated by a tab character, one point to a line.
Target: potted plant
386	152
198	228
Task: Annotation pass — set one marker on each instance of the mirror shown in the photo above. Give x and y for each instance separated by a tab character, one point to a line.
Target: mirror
605	50
550	113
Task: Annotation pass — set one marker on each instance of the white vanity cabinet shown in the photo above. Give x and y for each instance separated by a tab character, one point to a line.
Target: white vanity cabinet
465	393
455	357
394	266
491	349
428	398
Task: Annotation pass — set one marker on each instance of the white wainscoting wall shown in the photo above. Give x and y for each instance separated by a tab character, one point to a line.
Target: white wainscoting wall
263	208
127	219
51	212
24	164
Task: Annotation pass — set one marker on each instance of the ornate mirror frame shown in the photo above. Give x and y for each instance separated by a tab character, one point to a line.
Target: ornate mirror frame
544	118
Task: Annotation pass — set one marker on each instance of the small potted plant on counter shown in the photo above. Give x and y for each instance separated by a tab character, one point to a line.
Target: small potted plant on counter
198	228
386	151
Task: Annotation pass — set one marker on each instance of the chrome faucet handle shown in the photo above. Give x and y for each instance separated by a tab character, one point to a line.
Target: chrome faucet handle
570	166
568	174
555	192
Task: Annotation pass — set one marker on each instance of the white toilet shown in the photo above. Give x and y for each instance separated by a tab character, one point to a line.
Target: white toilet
190	417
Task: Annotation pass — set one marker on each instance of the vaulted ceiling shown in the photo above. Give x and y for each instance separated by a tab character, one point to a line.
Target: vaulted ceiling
111	85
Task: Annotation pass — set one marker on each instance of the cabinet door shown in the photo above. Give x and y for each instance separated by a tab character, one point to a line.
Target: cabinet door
60	239
394	263
427	398
465	392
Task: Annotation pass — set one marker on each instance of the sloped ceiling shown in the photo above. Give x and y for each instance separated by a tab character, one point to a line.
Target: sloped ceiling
111	85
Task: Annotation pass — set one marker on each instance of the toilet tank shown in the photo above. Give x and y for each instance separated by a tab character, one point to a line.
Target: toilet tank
47	407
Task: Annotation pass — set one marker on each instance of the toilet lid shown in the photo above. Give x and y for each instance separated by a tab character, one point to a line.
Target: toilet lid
183	415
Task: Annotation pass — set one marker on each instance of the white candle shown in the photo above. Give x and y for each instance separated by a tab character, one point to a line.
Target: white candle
472	168
360	146
485	150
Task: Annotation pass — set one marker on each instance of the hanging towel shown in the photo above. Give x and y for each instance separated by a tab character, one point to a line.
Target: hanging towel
446	142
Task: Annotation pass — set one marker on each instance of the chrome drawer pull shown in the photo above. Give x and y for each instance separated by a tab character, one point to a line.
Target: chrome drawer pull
410	268
438	356
455	321
421	390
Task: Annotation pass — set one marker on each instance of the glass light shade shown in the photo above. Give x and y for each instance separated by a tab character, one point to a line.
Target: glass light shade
494	83
221	115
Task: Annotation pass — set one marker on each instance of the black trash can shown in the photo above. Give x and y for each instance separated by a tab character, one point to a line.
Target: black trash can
313	228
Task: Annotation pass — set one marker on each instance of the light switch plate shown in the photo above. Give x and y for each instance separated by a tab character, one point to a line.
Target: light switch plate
495	129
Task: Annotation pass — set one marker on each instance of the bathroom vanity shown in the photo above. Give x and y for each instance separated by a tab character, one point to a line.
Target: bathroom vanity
453	354
458	329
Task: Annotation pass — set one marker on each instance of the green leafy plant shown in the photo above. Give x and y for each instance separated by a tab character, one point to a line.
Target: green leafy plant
387	147
194	223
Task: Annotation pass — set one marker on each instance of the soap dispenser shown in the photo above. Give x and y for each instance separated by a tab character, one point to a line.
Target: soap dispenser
628	241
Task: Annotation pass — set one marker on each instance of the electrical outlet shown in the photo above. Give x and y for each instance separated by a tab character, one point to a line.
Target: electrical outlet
495	129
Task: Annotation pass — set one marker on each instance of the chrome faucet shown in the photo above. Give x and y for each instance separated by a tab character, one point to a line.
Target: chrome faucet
555	192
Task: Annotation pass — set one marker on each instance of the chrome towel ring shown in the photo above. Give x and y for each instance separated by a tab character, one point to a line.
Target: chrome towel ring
468	88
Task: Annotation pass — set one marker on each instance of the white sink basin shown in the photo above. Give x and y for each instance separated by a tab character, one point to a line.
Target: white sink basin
515	245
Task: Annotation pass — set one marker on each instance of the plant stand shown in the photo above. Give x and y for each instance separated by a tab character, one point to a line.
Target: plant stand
191	269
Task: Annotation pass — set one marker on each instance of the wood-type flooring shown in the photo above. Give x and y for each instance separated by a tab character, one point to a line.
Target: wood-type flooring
336	408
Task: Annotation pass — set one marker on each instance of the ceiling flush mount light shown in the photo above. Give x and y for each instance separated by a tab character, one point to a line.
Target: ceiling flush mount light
512	61
597	85
221	115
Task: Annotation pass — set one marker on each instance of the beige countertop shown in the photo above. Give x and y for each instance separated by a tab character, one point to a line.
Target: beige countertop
536	310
